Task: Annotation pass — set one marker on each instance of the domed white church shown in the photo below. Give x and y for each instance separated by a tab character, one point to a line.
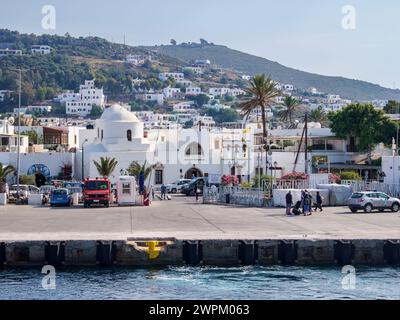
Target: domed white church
172	153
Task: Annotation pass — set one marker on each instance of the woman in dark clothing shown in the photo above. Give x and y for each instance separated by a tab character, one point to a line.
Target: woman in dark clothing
318	203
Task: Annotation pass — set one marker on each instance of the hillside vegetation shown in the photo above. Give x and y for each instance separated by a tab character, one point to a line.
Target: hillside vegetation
250	64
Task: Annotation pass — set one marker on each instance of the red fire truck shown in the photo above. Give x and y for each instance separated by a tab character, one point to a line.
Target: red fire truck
96	191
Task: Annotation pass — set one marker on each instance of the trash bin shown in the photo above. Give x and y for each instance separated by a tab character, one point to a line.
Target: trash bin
228	198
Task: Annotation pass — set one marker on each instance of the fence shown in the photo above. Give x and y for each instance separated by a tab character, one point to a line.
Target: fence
236	196
391	189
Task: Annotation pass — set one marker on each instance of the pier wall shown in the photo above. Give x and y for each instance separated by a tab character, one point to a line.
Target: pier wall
162	252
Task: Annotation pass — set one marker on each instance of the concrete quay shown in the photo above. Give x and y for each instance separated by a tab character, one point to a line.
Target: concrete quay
182	231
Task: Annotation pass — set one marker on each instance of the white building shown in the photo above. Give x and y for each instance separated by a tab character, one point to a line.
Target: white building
216	106
136	59
184	82
185	106
174	75
288	87
39	109
171	92
226	91
192	90
41	49
67	96
151	96
195	70
10	52
202	62
380	104
89	96
246	77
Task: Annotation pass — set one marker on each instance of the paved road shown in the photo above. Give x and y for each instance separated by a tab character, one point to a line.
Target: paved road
183	218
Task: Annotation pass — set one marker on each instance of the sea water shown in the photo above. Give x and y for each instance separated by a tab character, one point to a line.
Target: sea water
252	282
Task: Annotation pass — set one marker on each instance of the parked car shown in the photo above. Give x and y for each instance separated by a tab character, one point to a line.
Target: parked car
189	189
371	200
60	197
176	186
46	189
24	191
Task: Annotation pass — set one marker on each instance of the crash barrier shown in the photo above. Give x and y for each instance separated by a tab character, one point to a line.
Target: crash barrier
54	253
163	252
106	253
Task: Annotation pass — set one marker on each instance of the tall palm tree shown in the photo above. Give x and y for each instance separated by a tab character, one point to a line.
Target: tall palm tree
291	105
135	168
106	166
263	91
318	115
4	172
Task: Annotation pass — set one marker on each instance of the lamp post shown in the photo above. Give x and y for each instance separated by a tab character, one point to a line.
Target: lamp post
18	200
83	162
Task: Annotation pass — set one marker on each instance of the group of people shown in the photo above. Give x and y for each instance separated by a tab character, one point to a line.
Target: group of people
303	206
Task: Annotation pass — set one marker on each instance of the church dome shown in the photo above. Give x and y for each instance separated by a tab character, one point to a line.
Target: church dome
116	113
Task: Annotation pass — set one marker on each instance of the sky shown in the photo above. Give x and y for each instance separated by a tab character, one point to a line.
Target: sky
303	34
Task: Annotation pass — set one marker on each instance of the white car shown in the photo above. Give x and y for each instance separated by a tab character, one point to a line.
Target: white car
176	186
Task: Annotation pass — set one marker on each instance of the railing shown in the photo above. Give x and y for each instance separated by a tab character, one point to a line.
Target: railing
391	189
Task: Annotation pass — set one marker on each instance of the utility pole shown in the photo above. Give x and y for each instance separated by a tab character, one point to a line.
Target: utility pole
18	200
306	143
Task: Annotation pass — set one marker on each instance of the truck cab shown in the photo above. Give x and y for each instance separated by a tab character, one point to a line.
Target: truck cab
96	191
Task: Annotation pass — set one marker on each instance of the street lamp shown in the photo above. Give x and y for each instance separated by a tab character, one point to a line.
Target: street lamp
83	163
18	200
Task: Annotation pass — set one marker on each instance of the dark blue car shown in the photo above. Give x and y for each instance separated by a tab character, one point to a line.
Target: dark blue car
60	197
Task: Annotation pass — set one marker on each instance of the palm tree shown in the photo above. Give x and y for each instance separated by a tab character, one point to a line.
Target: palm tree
263	91
106	166
135	168
318	115
4	172
291	105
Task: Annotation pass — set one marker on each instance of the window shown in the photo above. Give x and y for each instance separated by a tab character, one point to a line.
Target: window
158	176
101	134
129	135
126	188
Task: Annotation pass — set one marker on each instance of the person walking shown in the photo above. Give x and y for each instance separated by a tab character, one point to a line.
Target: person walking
302	199
307	203
289	203
152	192
318	203
197	192
163	191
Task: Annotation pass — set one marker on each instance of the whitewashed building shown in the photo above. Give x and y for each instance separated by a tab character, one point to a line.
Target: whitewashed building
164	76
41	49
192	90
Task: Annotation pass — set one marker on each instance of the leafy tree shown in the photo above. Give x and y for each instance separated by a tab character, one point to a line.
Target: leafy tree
33	136
96	111
291	105
365	123
4	172
106	166
349	175
222	115
392	107
135	168
173	42
188	124
200	99
262	91
318	115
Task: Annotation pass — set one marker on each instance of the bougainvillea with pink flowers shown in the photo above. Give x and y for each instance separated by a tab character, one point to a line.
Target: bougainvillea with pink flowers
334	178
227	180
295	176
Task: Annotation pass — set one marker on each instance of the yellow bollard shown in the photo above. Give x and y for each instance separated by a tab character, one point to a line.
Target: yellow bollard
152	250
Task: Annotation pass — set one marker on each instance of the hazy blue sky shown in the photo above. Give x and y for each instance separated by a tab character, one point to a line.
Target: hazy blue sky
304	34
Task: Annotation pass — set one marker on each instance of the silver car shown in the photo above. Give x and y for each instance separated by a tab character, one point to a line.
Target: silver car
371	200
176	186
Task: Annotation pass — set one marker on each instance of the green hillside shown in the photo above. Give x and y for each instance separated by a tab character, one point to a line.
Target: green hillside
73	61
250	64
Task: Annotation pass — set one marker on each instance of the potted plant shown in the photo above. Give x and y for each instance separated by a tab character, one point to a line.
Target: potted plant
4	172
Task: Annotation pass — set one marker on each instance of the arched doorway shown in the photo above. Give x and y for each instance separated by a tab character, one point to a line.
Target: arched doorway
193	172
